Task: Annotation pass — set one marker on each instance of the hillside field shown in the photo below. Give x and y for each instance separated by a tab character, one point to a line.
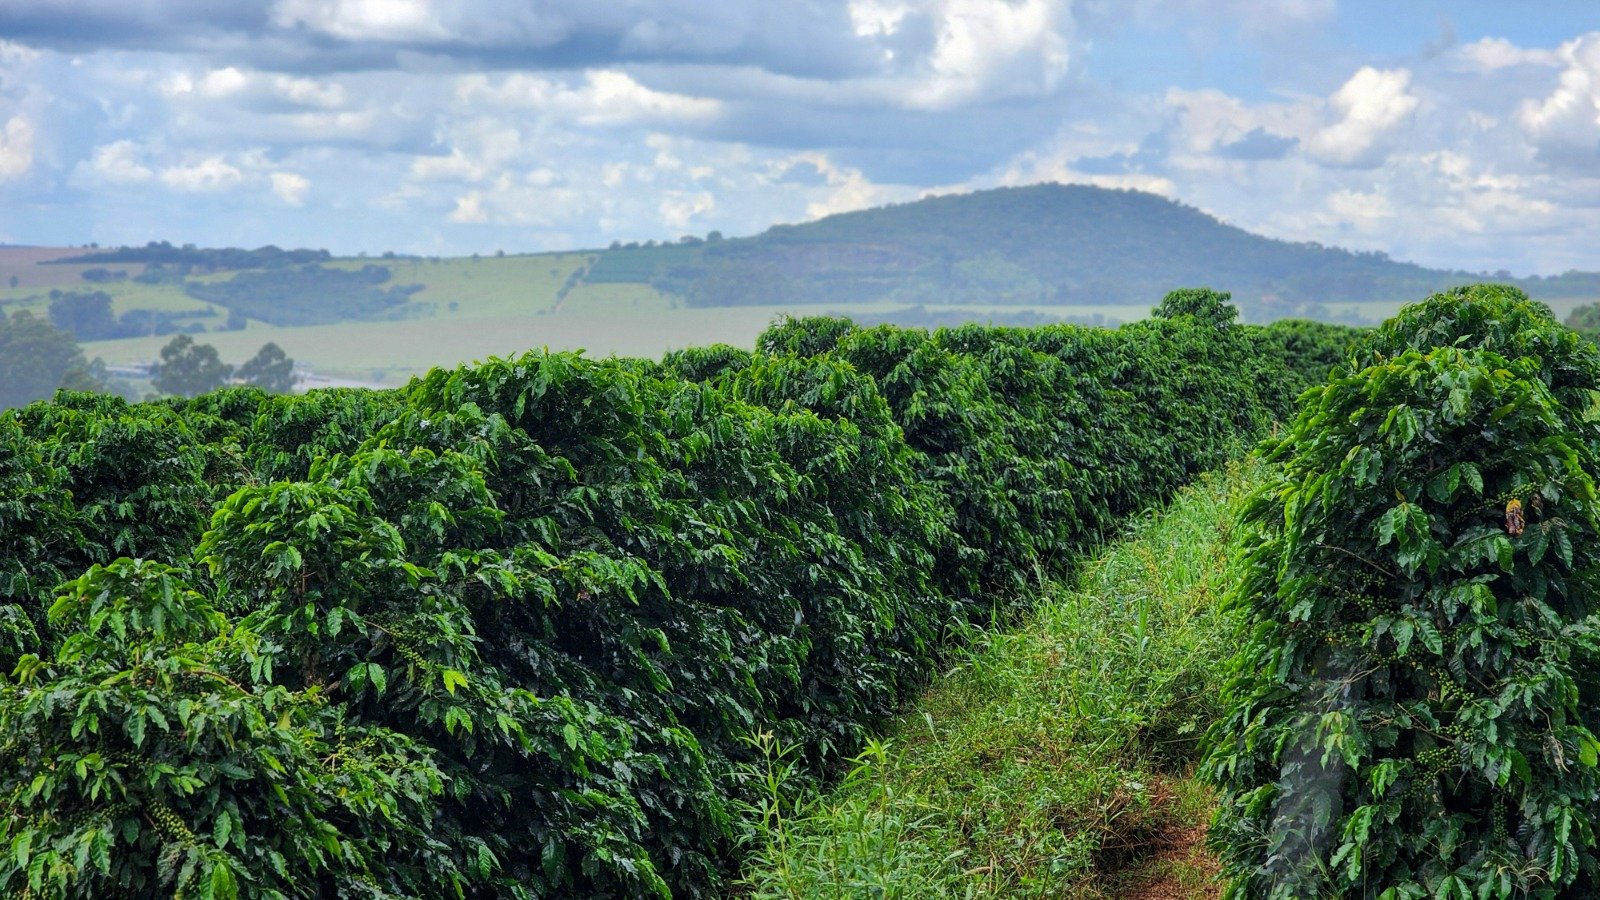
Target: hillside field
473	308
469	309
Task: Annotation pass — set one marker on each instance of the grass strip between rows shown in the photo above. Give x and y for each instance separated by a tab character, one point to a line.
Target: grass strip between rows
1052	759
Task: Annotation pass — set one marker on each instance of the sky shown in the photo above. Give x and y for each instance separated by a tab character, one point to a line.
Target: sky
1462	135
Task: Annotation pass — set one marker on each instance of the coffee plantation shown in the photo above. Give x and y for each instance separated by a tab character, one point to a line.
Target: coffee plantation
509	631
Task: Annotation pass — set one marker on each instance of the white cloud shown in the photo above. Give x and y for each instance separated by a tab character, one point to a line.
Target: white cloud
290	187
222	82
1061	158
1253	16
117	163
1492	54
612	97
876	18
125	163
1132	181
16	148
481	148
231	83
14	54
606	97
1366	211
1372	103
309	91
357	20
1471	196
1270	16
1209	119
469	210
213	84
985	48
678	209
1565	125
354	125
844	189
1024	173
213	173
932	56
538	199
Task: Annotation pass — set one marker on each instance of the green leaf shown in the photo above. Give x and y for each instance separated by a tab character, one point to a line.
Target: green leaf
223	885
454	679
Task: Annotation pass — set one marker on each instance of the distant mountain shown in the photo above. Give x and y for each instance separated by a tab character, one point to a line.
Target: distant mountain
1044	244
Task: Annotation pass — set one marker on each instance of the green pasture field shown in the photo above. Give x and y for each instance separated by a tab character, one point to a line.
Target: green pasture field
125	295
30	266
604	320
388	353
485	287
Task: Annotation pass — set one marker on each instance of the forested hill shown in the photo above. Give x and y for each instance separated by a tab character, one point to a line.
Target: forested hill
1044	244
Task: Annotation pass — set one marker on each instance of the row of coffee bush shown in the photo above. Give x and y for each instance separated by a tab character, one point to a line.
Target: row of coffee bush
510	630
1415	710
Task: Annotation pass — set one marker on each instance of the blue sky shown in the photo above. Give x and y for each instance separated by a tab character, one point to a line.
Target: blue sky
1456	134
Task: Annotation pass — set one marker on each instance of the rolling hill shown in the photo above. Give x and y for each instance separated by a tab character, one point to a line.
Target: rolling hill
1009	256
1039	245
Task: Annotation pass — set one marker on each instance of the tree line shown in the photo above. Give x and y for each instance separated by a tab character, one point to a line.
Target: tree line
89	316
37	359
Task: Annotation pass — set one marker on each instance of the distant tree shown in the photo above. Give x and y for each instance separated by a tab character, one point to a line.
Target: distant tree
236	320
189	257
87	316
147	322
743	283
1585	320
307	295
86	376
270	369
15	281
36	358
188	369
713	237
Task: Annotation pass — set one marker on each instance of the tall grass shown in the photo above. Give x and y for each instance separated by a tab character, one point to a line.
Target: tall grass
1051	760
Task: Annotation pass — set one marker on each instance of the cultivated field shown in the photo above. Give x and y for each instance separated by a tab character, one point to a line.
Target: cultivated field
470	308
